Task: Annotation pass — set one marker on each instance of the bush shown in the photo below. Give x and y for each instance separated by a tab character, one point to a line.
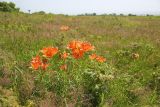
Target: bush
8	7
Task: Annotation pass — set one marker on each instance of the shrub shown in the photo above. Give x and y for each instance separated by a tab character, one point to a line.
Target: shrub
8	7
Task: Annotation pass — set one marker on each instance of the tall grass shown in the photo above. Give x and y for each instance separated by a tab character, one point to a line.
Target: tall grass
136	80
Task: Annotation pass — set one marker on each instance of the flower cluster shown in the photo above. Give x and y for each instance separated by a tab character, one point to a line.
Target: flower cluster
98	58
49	51
78	49
36	63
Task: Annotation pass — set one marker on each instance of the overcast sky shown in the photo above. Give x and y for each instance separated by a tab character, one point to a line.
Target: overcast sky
90	6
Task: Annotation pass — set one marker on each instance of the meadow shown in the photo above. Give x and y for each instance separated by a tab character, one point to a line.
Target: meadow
121	67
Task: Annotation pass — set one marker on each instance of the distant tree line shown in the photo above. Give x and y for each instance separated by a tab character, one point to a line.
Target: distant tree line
88	14
112	14
8	7
40	12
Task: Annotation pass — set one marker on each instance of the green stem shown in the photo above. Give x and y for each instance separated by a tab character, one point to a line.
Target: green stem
65	102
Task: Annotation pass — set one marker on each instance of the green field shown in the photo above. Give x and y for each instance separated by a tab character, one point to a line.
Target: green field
134	82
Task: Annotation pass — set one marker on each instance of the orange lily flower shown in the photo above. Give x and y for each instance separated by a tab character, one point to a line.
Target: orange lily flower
87	46
93	56
100	59
74	44
36	62
78	48
49	51
77	53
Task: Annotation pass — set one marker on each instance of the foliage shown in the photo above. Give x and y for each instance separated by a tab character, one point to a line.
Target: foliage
8	7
